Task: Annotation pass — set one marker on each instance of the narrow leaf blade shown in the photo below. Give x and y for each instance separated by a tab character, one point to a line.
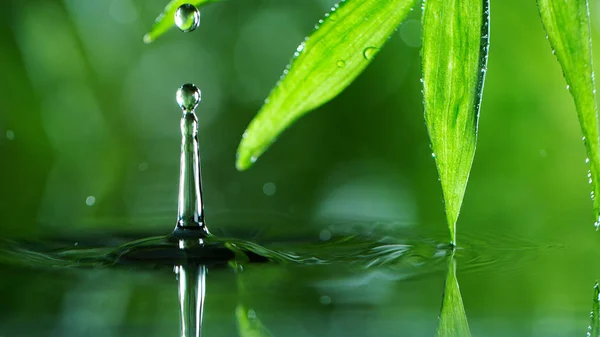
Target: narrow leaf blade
248	324
166	19
324	64
455	48
594	327
567	24
453	320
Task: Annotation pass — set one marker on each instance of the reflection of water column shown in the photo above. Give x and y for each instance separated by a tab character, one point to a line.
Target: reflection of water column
190	215
191	298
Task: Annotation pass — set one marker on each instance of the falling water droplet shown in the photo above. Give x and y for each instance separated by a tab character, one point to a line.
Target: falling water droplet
188	96
370	52
341	64
187	18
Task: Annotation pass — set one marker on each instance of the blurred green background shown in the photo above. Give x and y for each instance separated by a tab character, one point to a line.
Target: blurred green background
89	143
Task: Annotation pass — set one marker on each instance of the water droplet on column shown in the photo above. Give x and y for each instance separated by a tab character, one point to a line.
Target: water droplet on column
188	96
187	18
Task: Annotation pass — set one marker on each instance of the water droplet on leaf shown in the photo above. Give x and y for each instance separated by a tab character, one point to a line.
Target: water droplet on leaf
370	52
341	64
187	18
188	97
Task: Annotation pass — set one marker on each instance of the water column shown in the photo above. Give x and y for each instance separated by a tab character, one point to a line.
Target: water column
190	227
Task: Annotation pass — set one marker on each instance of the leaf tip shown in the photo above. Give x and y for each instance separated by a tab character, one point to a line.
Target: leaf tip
244	159
148	38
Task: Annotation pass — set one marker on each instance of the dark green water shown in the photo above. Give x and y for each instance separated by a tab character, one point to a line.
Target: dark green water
360	285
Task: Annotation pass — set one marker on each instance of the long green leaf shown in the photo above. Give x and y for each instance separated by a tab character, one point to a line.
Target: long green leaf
166	19
594	327
324	64
453	320
455	47
567	24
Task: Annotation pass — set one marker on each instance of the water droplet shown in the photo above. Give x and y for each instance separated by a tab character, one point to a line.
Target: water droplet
587	160
341	64
187	18
253	159
568	87
90	201
325	235
269	189
325	300
370	52
188	96
10	135
432	155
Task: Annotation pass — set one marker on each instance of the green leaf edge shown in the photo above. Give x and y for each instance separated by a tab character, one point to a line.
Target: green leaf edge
248	152
591	141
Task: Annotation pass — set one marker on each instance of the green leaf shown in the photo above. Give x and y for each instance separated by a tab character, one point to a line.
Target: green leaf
594	327
453	320
324	64
248	324
454	56
166	19
567	24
